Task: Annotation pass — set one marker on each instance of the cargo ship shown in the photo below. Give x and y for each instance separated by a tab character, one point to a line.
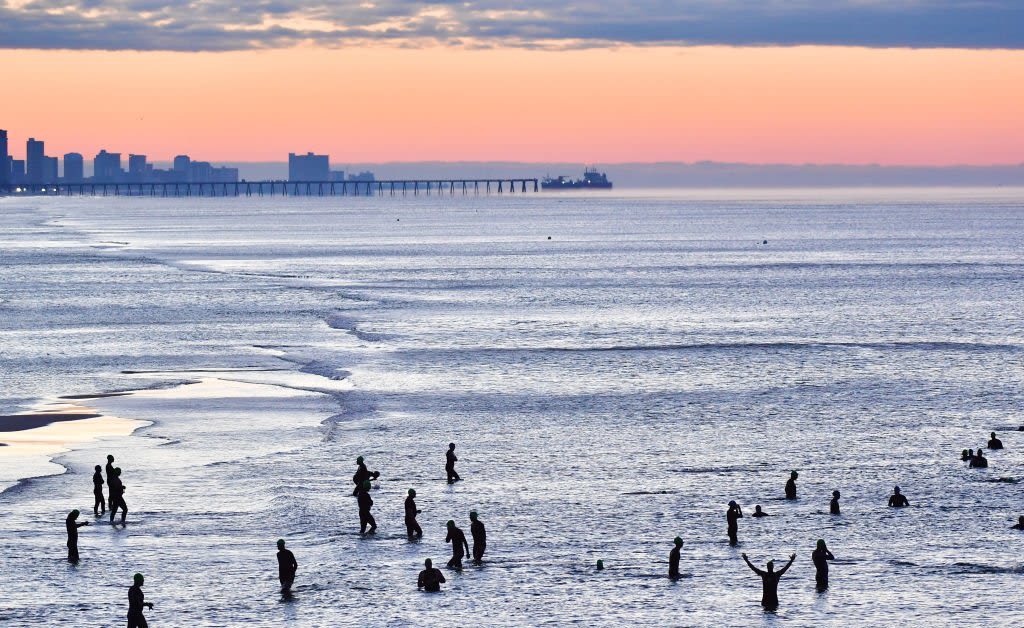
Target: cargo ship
592	180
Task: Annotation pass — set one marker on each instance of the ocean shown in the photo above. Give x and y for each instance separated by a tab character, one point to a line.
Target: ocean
614	369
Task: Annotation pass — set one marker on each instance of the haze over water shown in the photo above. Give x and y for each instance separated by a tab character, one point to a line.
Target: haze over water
608	388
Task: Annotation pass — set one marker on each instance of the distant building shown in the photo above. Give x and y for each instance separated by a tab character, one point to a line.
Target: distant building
366	175
308	167
50	166
34	152
74	168
136	168
337	175
182	168
17	170
201	172
106	167
5	159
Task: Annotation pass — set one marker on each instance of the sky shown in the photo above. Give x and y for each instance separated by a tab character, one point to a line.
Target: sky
924	82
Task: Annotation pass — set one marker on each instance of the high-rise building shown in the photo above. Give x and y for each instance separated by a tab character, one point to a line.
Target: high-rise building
136	168
201	172
5	159
50	165
309	167
34	151
106	167
74	168
182	168
17	170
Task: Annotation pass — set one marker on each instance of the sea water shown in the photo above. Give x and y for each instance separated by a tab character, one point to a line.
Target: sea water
614	368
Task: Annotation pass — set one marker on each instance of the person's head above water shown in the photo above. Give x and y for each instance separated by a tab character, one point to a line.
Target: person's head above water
678	541
600	563
757	508
821	544
428	563
896	490
280	544
472	515
732	503
110	458
98	467
451	445
73	514
359	460
794	475
1020	520
771	566
451	523
117	471
993	434
412	492
139	580
835	494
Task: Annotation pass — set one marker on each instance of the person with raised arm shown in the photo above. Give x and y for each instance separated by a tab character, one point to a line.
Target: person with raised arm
820	557
770	581
732	517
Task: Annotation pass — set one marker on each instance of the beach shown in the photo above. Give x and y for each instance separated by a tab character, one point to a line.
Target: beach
608	389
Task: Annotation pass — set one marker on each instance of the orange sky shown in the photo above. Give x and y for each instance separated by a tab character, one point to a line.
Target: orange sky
378	103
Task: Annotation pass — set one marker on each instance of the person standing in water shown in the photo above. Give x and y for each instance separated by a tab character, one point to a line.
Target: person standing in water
458	540
412	528
1020	524
99	504
110	475
732	517
286	566
72	525
898	499
362	475
136	602
758	512
365	503
449	465
430	578
791	485
833	506
820	556
770	581
673	559
994	443
479	534
116	488
979	461
966	455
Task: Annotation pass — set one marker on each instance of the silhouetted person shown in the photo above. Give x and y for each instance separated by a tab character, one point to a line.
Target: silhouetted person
770	581
110	474
136	602
791	485
833	506
412	528
979	461
758	512
365	503
898	499
100	504
286	566
673	559
362	475
600	565
430	578
479	534
732	517
72	526
449	465
966	455
459	545
994	443
116	488
820	556
1020	524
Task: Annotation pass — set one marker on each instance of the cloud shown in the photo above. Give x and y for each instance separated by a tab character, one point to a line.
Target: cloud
218	25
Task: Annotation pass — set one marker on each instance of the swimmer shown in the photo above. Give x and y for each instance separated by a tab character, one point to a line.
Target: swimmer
365	503
430	578
979	461
362	474
732	516
449	465
820	556
99	504
72	527
965	456
136	602
770	581
833	506
458	540
898	499
412	528
758	512
791	485
117	496
110	474
994	443
286	566
673	559
479	534
1020	524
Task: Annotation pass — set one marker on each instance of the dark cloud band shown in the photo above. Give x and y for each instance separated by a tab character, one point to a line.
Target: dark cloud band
218	25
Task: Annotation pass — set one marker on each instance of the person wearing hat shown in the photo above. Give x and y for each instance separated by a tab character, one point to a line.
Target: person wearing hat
412	528
898	499
479	534
286	566
72	525
791	485
365	503
673	559
136	602
459	545
449	465
732	517
362	474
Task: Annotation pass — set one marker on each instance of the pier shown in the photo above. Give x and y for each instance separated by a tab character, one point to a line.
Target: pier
394	187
